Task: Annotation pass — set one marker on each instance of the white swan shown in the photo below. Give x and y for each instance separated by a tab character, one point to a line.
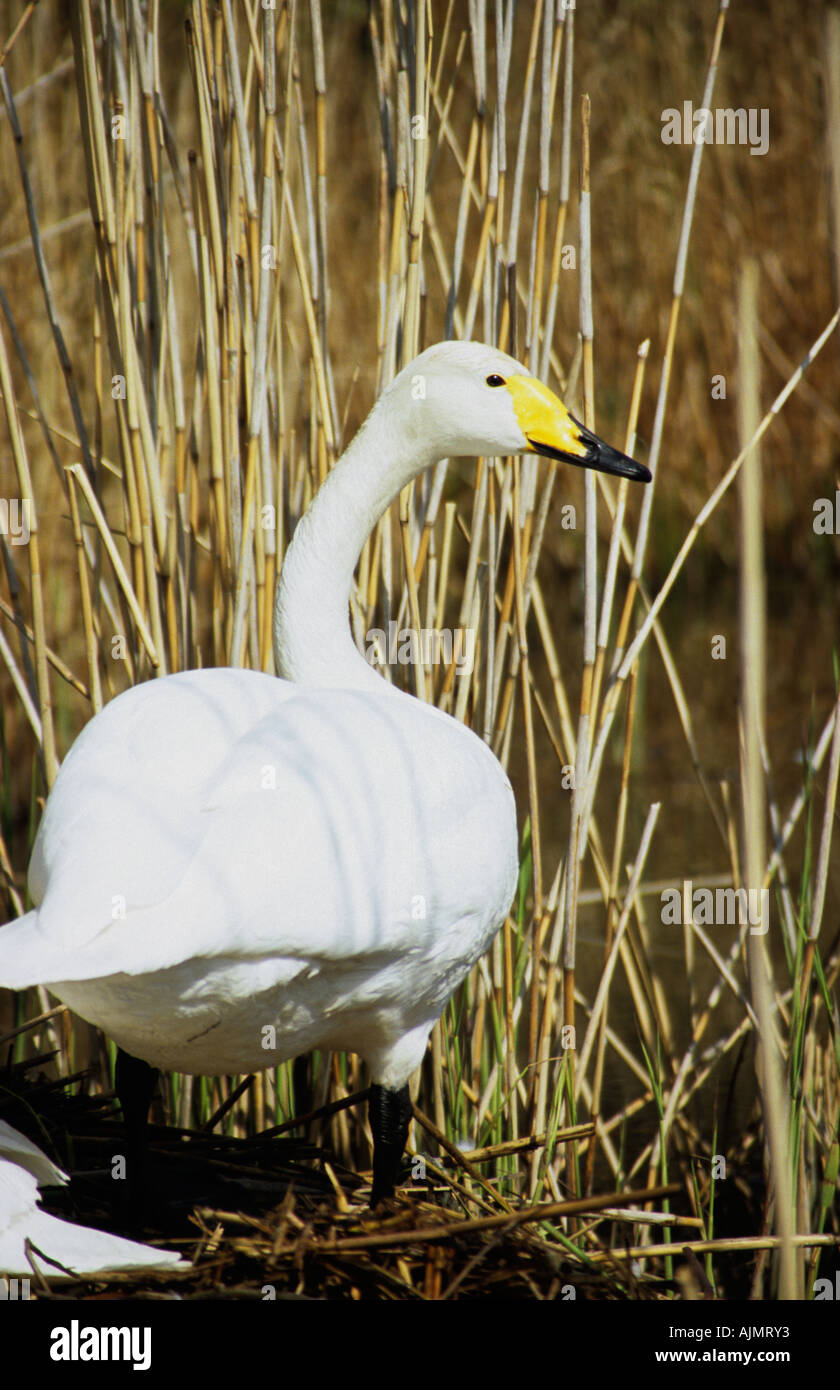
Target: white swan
233	869
80	1249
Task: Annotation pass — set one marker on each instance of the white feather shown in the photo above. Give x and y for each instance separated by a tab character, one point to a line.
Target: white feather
79	1249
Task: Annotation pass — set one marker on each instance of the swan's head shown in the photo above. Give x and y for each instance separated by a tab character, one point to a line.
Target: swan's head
466	399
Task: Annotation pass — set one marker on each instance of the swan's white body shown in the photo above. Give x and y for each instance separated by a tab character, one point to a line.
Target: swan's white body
80	1249
234	868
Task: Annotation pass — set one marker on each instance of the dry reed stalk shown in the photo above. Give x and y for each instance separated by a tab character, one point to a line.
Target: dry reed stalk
752	621
566	44
823	858
831	61
720	1247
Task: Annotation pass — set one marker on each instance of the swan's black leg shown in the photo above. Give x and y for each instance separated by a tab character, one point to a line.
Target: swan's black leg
390	1114
134	1082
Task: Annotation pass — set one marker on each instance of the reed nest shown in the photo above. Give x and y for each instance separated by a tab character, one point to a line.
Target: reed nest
275	1216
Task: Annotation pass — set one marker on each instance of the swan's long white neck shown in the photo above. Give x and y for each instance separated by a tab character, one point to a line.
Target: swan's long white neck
312	640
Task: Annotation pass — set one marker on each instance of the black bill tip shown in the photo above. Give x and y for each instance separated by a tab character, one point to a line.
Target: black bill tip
598	455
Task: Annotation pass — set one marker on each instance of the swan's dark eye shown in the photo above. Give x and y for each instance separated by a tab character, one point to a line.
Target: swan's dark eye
495	380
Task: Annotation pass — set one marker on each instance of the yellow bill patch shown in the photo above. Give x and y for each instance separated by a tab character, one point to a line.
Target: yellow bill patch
543	418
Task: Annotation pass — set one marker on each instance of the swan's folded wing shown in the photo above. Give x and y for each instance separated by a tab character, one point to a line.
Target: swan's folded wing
124	822
323	834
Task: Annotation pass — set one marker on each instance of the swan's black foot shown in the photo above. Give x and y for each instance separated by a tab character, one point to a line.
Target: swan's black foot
134	1082
389	1113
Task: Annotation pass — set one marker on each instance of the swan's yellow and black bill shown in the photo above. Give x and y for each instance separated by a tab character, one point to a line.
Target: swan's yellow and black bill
552	431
